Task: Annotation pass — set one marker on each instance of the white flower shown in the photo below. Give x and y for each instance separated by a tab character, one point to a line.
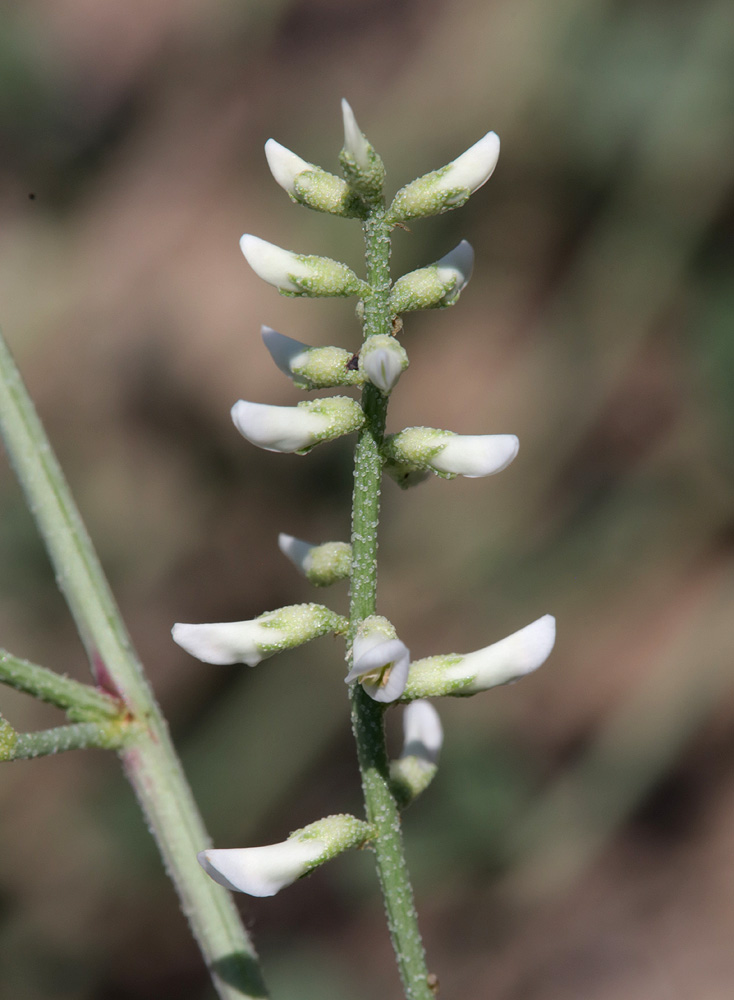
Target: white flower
298	428
436	286
310	367
380	661
383	361
422	731
457	266
285	166
355	142
229	642
474	167
450	186
501	663
475	455
323	564
448	454
252	641
262	871
299	274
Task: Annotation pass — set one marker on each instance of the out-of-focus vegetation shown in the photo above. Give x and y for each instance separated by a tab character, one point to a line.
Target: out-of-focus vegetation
577	841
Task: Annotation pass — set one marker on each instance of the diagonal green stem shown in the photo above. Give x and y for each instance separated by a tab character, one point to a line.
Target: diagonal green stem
149	759
367	715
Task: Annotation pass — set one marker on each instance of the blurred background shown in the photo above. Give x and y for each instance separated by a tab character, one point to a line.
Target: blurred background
577	841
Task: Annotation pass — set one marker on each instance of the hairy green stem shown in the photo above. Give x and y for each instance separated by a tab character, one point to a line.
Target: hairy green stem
80	701
149	758
367	715
80	736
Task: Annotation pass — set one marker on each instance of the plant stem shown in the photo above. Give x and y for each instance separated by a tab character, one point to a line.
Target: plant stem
80	701
80	736
367	715
149	758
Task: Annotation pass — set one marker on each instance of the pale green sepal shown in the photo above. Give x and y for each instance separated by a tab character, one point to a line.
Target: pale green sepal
8	739
363	168
324	192
325	368
326	278
432	677
410	777
408	454
328	563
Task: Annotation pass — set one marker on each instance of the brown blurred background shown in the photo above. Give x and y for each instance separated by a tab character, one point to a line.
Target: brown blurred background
577	842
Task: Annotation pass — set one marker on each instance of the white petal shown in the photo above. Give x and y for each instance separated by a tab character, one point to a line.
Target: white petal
354	142
226	642
423	733
295	549
261	871
476	455
474	167
284	351
278	428
383	368
284	165
372	653
458	265
511	658
272	263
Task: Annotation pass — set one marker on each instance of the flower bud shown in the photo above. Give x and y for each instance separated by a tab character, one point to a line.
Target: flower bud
252	641
448	454
363	168
380	661
311	367
323	564
501	663
383	360
450	186
417	766
300	274
297	428
310	185
436	286
263	871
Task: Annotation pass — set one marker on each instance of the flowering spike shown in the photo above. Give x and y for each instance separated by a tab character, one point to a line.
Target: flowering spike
435	286
322	565
263	871
297	428
423	449
300	274
380	660
501	663
310	185
252	641
383	360
449	187
310	367
363	168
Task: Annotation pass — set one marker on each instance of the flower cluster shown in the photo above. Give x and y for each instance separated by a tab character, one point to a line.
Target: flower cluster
378	661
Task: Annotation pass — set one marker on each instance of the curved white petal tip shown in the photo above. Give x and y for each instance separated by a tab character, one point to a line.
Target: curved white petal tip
221	642
283	429
295	549
474	456
261	871
476	165
284	165
423	733
354	142
460	260
513	657
283	350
